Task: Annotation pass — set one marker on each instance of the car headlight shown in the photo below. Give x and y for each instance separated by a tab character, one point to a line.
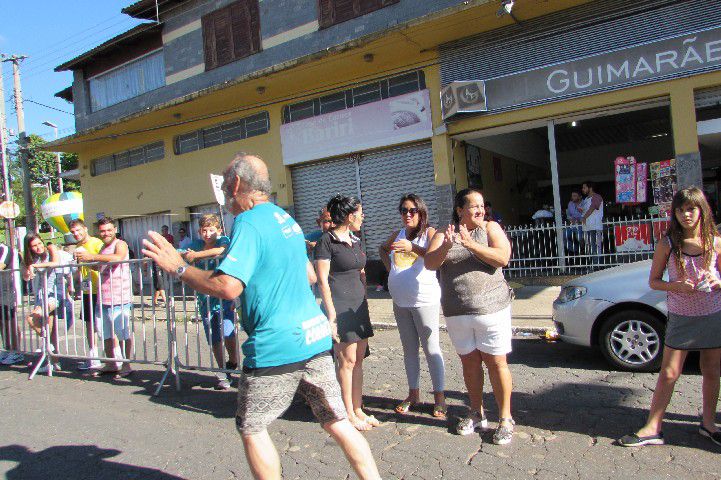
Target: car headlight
571	293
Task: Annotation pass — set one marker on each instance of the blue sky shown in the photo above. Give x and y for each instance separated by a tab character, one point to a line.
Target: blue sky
51	32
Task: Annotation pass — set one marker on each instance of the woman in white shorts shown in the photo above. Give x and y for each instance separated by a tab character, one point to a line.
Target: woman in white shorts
476	302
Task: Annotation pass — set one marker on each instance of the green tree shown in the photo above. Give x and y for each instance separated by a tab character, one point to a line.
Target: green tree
43	169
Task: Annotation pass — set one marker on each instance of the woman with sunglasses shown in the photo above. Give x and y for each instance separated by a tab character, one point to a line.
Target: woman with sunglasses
416	301
340	263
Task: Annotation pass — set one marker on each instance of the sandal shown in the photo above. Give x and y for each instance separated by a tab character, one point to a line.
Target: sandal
122	374
405	406
372	421
440	411
360	425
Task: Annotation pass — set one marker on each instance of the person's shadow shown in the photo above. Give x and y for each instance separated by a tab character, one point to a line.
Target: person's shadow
73	461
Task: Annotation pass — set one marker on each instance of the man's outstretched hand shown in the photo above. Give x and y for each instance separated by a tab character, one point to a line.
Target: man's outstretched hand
165	256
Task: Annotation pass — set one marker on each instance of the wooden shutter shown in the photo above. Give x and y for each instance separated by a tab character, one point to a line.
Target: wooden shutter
337	11
325	13
231	33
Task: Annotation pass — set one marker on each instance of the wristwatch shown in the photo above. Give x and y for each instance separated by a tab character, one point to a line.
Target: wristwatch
181	270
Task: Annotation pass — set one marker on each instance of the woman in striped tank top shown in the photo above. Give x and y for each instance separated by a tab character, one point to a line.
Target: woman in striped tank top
690	251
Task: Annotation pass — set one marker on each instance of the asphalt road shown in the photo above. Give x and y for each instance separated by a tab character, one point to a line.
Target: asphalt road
568	407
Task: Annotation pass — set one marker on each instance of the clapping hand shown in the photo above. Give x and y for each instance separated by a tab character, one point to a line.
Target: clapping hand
402	246
449	236
465	236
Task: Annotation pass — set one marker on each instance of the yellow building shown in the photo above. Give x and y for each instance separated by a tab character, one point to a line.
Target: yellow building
351	103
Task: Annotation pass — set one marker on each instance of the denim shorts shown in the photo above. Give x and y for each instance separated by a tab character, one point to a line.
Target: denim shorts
218	326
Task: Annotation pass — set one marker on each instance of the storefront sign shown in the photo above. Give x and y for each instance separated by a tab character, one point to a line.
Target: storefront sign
651	62
392	121
463	97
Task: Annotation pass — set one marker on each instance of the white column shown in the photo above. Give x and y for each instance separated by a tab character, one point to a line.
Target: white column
558	213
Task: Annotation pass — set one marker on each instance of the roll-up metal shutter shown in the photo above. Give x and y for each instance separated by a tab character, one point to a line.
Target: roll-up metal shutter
588	29
135	229
387	175
199	210
315	184
708	98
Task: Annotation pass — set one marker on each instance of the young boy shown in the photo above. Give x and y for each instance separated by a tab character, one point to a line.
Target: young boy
218	316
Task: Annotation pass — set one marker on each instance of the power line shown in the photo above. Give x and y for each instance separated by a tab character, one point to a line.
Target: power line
34	70
48	106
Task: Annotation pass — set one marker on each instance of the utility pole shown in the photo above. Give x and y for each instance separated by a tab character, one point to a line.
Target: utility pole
30	222
9	222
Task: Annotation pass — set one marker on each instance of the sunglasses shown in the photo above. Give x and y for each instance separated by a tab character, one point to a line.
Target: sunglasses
406	211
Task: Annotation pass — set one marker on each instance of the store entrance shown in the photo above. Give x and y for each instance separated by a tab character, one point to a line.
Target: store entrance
531	175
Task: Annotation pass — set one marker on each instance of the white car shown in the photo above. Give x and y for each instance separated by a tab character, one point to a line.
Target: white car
616	310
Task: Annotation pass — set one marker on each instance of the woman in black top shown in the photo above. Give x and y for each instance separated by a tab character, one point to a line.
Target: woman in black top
340	262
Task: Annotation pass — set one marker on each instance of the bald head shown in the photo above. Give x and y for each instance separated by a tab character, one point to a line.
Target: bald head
252	172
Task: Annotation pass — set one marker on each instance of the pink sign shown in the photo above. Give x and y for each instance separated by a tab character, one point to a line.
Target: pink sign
392	121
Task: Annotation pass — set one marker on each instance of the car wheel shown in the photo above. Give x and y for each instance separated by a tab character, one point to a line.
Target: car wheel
633	340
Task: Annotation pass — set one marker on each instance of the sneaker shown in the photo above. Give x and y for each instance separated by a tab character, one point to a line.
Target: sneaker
44	368
715	437
470	423
504	432
90	365
222	385
13	358
634	440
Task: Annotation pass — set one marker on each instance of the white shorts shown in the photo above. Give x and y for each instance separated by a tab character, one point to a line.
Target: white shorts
116	320
490	333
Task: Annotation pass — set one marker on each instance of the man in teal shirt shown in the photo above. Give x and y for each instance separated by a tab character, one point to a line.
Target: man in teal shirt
288	336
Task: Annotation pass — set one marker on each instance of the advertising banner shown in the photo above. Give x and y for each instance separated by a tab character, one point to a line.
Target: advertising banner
387	122
633	238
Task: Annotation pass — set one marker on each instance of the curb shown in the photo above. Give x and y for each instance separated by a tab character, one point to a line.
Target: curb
516	330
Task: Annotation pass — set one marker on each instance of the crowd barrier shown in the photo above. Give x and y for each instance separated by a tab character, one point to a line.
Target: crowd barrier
54	300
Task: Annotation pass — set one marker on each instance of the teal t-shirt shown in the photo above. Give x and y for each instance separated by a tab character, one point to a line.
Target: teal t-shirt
278	309
210	264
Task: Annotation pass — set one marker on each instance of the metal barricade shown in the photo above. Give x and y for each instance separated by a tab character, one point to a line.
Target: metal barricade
206	331
17	303
78	323
192	332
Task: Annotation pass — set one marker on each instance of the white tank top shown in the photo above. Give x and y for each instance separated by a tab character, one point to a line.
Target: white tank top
411	284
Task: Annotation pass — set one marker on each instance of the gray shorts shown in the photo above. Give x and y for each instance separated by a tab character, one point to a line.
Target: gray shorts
264	394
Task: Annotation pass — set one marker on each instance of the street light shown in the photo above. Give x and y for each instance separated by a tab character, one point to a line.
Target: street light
48	192
57	154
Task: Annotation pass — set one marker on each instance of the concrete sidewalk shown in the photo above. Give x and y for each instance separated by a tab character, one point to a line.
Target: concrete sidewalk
531	309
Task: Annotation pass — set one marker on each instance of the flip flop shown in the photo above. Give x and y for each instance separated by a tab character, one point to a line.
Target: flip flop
405	406
361	425
372	421
440	411
122	374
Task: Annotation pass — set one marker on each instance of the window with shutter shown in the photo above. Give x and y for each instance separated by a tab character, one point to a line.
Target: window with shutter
331	12
231	33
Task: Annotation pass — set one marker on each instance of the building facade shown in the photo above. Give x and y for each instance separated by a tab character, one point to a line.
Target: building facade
345	96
